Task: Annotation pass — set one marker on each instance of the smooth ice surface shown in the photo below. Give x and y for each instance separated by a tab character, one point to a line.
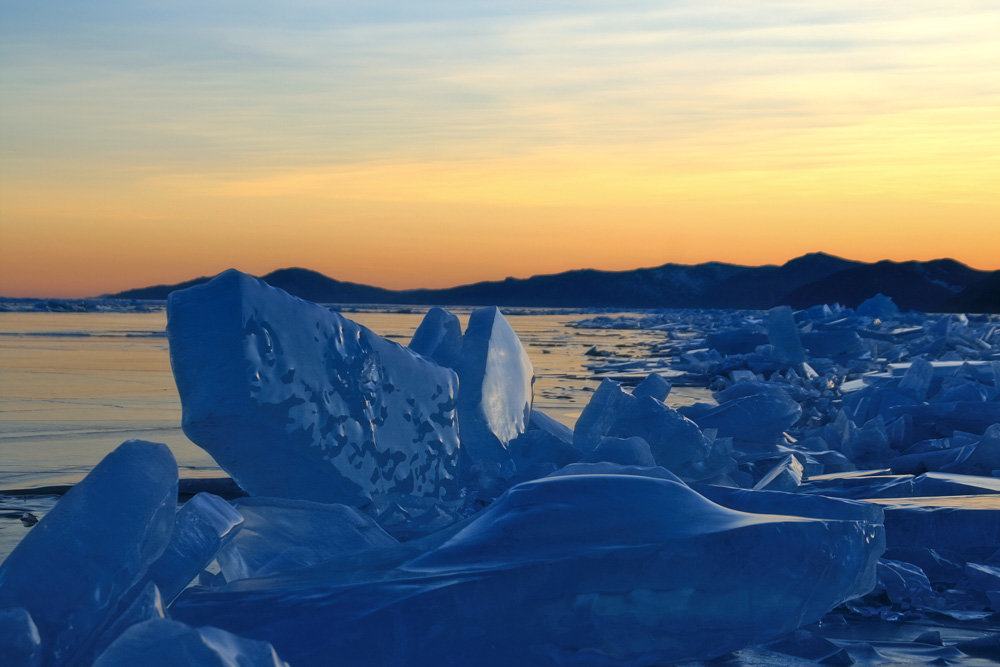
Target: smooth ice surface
166	643
496	379
280	534
439	337
296	401
594	569
73	569
20	643
201	527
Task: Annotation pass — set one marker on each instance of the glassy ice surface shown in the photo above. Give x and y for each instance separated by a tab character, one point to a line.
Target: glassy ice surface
77	567
569	569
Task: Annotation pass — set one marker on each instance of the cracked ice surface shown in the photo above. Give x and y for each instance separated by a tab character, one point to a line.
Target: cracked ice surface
296	401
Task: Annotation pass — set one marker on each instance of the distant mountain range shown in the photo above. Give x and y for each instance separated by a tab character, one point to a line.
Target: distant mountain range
941	285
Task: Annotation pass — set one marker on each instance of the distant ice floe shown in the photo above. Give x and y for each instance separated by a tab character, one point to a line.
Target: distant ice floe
410	506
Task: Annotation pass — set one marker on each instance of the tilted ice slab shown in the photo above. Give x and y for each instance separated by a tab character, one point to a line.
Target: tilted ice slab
496	380
295	401
75	570
279	534
593	569
201	528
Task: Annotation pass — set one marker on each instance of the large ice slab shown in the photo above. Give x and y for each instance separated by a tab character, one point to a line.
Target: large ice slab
594	569
73	570
496	386
201	527
166	643
296	401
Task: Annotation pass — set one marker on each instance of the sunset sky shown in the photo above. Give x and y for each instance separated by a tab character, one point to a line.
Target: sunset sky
410	144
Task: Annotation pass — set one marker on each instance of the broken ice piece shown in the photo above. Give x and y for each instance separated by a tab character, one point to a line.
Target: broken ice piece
73	569
632	451
496	379
654	386
282	534
202	526
784	336
786	476
20	643
599	414
439	337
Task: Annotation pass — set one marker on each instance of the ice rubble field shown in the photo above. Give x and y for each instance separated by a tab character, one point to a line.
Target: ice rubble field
407	506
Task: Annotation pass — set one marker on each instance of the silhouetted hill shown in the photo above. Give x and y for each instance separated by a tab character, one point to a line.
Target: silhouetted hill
155	292
979	297
938	285
314	286
912	285
765	286
667	286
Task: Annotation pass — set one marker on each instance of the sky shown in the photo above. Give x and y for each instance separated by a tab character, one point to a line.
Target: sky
428	144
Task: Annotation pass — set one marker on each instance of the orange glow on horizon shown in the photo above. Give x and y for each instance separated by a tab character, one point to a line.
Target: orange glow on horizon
409	151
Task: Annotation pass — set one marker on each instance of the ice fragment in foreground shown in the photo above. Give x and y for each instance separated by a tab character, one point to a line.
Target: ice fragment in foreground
165	643
73	569
439	337
281	534
295	401
202	526
20	644
580	569
496	380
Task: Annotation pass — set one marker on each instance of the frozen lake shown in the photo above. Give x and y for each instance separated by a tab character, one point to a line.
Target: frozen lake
73	386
